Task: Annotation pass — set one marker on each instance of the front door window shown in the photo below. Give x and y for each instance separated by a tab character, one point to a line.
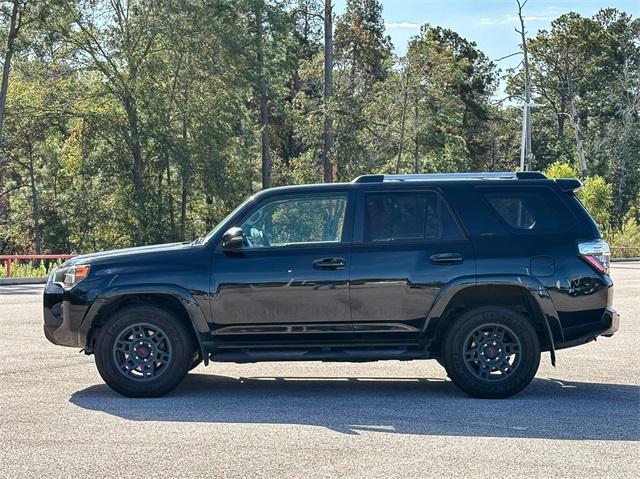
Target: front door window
296	221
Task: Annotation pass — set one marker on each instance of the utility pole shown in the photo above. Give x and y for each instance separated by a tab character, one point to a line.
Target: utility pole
526	153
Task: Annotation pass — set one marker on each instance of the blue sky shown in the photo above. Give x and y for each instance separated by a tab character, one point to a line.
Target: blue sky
489	23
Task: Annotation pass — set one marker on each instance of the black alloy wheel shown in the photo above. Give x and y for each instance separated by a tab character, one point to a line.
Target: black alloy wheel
144	350
491	352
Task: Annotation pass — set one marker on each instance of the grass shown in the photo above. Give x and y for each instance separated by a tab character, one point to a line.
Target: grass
29	269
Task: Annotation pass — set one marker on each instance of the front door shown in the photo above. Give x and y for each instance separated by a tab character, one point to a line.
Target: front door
291	275
407	246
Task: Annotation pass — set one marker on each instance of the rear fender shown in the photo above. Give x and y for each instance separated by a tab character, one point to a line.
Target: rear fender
534	288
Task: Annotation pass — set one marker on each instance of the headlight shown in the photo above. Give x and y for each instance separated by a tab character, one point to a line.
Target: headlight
70	276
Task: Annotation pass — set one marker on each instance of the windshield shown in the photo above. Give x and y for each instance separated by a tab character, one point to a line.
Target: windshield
222	224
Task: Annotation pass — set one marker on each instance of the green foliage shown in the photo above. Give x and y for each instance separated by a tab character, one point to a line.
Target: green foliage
150	126
625	242
561	170
597	197
29	269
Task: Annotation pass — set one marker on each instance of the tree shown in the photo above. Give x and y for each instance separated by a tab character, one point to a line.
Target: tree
119	51
19	15
327	168
137	121
363	59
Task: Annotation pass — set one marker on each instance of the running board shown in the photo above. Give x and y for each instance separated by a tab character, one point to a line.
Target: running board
253	355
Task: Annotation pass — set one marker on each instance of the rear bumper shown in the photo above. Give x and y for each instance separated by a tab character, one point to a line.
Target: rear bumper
587	332
614	322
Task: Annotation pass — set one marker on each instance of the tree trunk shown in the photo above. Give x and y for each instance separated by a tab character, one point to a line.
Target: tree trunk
562	117
184	197
416	148
14	26
327	169
402	119
35	205
263	97
172	216
575	120
138	167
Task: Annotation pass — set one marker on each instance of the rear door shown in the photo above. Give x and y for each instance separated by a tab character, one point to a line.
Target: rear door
408	244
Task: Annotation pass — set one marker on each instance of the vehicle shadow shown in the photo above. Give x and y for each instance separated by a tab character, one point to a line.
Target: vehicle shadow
548	408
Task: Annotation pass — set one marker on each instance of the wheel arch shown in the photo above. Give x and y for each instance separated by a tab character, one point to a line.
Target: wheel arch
525	294
170	297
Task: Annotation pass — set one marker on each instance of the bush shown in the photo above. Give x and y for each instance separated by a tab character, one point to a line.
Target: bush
597	197
561	170
597	194
30	269
625	243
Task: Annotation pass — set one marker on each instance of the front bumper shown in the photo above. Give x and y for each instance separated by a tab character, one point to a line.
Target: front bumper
62	318
584	333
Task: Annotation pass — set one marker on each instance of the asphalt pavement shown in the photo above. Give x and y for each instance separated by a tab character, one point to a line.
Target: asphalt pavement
300	420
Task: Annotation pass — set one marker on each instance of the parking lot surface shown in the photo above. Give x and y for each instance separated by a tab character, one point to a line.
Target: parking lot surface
383	419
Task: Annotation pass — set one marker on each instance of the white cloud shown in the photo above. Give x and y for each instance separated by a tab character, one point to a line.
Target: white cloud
527	18
403	25
487	21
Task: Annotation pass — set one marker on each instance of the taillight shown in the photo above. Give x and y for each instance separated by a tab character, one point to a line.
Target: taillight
596	253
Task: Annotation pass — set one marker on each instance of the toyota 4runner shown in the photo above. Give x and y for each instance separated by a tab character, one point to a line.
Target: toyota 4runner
479	271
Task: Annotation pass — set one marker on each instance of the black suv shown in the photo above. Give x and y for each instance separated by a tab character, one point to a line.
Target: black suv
481	272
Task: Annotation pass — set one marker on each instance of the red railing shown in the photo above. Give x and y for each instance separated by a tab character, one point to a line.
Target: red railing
8	259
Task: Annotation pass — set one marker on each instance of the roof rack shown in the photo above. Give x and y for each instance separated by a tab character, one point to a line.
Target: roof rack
509	175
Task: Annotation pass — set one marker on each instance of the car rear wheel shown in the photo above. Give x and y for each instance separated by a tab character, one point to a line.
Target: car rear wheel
144	351
491	352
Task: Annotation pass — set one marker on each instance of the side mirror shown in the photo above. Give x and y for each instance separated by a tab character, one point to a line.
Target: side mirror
233	238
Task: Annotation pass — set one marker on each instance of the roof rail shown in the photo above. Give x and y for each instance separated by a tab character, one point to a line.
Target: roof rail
508	175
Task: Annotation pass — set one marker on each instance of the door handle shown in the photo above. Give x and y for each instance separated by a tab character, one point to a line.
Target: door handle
446	258
330	263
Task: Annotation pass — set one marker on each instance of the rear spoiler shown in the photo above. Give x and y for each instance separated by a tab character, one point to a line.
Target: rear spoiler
569	185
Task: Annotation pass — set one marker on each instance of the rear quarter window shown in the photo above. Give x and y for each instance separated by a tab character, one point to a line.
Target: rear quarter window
532	210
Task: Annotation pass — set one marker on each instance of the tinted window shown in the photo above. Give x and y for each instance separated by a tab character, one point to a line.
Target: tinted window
408	216
532	210
296	220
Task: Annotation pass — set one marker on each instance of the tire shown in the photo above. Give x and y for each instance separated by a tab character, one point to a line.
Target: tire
491	352
144	351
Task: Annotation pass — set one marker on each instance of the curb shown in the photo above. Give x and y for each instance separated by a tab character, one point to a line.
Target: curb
624	260
14	281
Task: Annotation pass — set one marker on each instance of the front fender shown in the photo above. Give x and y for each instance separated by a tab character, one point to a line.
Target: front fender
114	293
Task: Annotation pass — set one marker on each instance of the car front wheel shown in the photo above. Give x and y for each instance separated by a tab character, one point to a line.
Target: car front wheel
143	351
491	352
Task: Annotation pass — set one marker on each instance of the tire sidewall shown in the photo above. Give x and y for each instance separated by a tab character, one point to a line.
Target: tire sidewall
454	360
181	344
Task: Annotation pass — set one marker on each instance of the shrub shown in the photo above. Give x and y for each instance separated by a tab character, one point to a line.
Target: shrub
30	269
625	242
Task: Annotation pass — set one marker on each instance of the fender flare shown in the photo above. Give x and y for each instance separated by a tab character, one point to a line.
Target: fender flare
536	290
184	296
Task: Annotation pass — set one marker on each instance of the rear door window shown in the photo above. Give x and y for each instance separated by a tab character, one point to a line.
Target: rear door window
410	216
